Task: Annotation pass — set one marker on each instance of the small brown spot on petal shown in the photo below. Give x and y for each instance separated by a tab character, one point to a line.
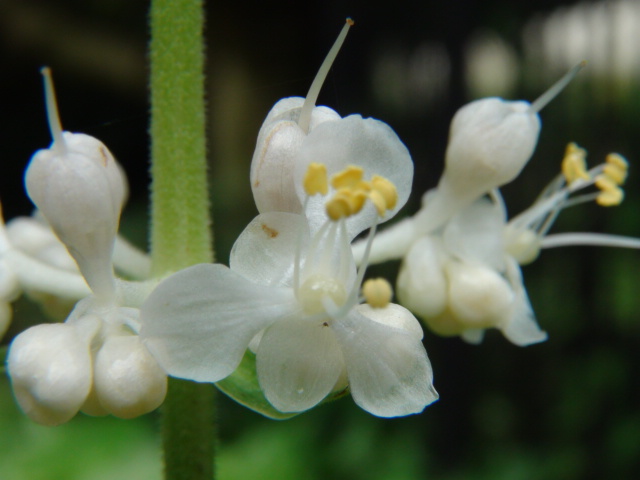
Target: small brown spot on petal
271	232
103	155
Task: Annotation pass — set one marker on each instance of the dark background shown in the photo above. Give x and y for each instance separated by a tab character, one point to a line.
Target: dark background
565	409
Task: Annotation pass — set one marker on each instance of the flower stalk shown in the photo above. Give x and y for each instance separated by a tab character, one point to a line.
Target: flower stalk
180	222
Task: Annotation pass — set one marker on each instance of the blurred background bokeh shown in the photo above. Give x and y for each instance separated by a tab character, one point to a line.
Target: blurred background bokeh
565	409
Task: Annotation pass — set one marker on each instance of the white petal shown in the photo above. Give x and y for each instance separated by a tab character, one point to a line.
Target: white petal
475	234
522	329
421	284
265	251
395	316
276	153
368	143
388	369
298	364
50	370
473	335
329	256
479	297
198	322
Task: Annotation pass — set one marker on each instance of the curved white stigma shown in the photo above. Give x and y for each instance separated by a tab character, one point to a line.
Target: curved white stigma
314	90
53	117
556	88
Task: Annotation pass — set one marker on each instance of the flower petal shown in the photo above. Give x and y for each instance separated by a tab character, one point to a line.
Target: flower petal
265	251
272	166
522	329
367	143
298	364
388	368
198	322
475	234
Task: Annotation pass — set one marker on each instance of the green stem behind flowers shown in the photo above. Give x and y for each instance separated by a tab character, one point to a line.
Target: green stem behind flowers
180	222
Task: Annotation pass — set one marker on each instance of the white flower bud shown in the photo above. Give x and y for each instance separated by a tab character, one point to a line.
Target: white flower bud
479	297
50	370
80	190
490	141
128	380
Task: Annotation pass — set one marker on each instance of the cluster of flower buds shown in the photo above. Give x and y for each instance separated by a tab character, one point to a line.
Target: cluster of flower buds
460	255
94	361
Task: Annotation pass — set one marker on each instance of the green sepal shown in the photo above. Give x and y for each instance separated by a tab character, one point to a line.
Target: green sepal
243	387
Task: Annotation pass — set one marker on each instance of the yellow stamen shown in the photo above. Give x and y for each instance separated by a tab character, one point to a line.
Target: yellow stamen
350	177
616	168
315	180
378	201
377	292
611	194
574	165
338	207
353	191
386	189
357	198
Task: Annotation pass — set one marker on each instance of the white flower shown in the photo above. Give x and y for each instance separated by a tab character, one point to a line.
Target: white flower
292	289
94	361
466	277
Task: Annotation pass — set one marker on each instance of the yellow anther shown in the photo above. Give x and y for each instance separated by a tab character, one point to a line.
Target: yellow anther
611	194
386	189
338	207
618	160
378	201
315	180
377	292
574	165
616	168
350	177
357	198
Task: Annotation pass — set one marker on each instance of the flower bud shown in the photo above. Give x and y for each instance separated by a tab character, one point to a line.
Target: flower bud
128	380
479	297
490	141
80	189
50	370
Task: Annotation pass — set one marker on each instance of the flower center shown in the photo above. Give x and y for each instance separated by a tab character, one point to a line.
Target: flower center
316	288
